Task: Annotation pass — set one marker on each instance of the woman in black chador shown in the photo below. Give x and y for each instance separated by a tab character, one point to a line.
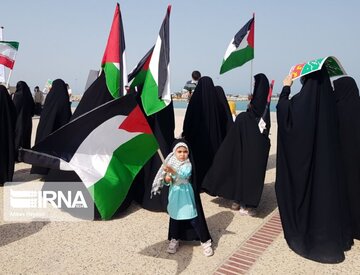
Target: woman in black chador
238	169
56	113
205	124
24	104
348	111
7	136
309	188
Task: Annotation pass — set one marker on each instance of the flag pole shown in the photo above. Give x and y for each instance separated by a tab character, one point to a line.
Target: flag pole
2	67
251	77
7	82
160	155
251	69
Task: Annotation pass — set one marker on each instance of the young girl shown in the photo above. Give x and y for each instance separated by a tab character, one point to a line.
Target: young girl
187	220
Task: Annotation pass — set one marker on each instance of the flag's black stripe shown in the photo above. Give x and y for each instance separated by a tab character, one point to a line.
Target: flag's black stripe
164	58
64	142
242	33
140	65
37	158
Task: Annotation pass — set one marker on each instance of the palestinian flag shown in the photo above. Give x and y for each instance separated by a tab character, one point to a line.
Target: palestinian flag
156	91
114	62
8	50
102	89
111	145
137	76
240	49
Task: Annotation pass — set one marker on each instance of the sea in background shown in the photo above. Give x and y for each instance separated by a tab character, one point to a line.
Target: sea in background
241	105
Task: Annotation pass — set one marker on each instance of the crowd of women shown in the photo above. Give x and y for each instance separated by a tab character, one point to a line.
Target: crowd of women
317	166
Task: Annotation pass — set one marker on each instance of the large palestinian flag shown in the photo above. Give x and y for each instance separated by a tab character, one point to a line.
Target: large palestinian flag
114	61
156	91
106	147
8	50
240	49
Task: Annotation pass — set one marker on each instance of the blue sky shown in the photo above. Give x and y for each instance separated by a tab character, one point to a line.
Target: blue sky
65	39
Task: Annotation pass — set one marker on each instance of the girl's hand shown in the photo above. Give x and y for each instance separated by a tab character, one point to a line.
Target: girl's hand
167	178
169	169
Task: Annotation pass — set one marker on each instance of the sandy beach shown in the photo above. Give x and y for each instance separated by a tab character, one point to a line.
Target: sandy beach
136	242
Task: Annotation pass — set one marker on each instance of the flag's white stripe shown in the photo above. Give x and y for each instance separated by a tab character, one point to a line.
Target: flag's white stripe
154	62
117	65
2	67
124	72
230	49
7	50
166	94
93	156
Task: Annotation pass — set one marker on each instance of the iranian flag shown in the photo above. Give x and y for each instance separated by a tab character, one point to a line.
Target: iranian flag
8	50
111	145
156	91
137	76
114	61
240	49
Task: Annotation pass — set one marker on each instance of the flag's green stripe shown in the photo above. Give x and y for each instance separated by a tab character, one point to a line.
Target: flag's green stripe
150	96
127	160
237	58
112	76
139	79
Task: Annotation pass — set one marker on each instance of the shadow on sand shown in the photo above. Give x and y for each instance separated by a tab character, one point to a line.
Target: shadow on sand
13	232
266	206
271	164
217	223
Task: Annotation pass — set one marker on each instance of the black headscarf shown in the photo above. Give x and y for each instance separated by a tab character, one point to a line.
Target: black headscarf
24	104
205	124
226	108
56	113
182	229
308	189
348	111
7	136
239	167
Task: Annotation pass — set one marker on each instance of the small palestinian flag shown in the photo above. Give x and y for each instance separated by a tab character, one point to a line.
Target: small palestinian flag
262	123
112	143
156	91
240	49
8	50
137	76
114	61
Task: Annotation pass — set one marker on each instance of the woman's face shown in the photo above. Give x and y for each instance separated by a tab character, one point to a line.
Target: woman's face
181	153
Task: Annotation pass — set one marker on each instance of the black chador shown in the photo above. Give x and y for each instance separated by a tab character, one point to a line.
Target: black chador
56	113
309	189
7	136
205	124
238	169
348	111
24	104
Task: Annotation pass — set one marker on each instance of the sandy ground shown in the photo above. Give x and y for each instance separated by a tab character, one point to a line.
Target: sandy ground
136	242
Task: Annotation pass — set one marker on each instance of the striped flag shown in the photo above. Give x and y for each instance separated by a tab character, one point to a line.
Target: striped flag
240	49
112	143
8	51
114	61
156	91
137	76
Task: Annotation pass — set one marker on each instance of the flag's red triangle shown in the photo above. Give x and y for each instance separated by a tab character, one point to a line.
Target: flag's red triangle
112	53
136	122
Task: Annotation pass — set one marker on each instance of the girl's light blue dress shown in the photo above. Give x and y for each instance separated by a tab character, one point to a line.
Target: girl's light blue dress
181	205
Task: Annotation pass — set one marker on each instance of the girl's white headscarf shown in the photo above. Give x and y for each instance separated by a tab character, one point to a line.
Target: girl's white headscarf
172	161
